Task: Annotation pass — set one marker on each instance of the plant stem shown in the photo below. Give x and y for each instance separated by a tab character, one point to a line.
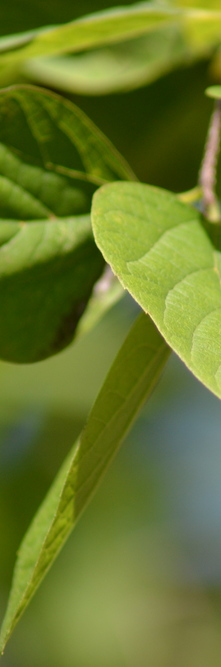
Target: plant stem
207	176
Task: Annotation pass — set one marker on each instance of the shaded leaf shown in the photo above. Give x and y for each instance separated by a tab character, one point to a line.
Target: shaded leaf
49	262
160	252
130	380
47	273
48	130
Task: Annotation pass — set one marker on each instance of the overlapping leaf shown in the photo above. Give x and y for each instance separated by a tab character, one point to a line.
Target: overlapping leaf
48	259
158	248
130	380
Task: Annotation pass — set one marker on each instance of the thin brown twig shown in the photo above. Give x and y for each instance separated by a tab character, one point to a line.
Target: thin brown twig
207	175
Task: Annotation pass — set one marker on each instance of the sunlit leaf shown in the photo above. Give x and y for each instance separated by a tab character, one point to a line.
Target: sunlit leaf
160	252
129	382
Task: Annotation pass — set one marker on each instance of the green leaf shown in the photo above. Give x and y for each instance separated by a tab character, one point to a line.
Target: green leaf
108	26
117	67
160	252
49	262
201	21
130	380
47	273
171	35
213	5
45	129
9	42
111	26
214	91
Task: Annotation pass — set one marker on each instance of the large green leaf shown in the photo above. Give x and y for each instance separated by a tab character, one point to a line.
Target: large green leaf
130	380
49	262
158	248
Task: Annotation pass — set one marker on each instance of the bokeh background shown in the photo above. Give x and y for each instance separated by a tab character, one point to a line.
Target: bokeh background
139	582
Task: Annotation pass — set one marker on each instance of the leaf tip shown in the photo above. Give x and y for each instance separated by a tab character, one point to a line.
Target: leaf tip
214	92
